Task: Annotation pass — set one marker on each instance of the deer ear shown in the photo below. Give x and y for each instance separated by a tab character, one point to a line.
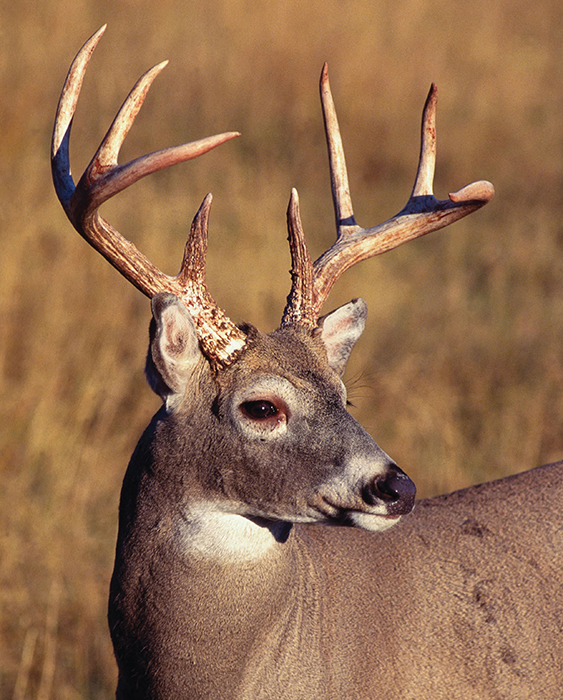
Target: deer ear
340	329
174	347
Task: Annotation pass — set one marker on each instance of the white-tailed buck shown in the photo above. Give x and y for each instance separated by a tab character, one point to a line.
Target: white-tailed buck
229	582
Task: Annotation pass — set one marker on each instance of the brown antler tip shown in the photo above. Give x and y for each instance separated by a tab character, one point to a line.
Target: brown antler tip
432	97
203	211
480	191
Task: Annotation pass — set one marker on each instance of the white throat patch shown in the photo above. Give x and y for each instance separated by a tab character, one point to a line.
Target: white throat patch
213	534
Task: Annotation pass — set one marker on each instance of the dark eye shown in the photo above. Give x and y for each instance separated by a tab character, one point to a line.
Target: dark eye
259	410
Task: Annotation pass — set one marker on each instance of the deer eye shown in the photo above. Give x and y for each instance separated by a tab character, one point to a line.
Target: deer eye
259	410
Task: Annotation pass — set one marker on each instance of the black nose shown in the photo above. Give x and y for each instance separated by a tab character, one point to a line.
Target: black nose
394	489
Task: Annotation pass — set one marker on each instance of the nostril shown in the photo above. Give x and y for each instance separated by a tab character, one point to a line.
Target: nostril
395	489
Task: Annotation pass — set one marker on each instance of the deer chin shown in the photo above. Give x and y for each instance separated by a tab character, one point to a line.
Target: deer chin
372	522
363	519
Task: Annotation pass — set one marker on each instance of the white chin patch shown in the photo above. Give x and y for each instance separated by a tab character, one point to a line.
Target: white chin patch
373	523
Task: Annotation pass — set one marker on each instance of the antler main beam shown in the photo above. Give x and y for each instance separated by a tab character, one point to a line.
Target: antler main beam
422	214
104	178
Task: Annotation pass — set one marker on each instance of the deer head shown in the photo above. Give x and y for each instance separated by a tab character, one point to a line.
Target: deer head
256	425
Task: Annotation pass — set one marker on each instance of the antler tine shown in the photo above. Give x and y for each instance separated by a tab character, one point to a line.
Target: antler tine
103	178
60	160
422	214
108	150
343	209
195	252
299	307
221	339
481	191
424	180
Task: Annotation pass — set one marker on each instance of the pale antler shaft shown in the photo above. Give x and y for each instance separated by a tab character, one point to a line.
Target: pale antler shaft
104	178
343	210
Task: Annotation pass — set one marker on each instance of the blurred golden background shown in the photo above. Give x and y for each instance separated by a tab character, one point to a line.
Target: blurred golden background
459	374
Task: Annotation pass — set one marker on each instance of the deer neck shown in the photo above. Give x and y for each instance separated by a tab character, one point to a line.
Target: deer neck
217	591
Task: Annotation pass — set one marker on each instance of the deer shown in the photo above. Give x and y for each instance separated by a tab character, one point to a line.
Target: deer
267	547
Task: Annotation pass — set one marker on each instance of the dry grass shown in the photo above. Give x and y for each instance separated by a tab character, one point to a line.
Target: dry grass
459	376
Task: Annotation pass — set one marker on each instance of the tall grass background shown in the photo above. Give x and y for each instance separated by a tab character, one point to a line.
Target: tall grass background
459	375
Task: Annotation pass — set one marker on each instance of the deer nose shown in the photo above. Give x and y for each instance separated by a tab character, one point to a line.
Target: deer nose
394	489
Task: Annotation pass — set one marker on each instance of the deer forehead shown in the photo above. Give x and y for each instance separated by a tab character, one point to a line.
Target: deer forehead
291	354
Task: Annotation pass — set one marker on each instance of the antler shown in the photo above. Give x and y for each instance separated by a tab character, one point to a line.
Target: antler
422	214
221	340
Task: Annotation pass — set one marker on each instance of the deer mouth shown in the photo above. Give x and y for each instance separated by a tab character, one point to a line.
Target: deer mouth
366	518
